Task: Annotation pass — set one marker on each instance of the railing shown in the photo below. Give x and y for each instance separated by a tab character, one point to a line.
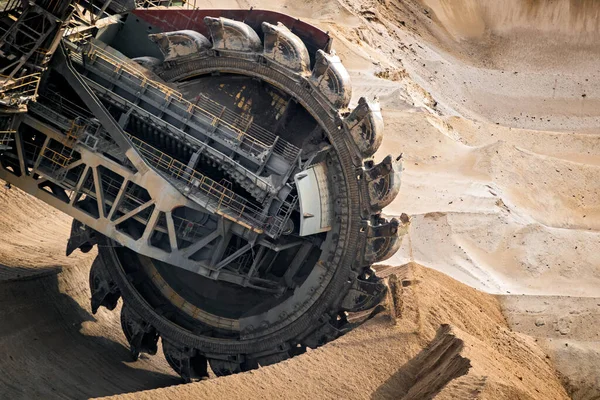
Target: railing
75	132
224	201
59	159
5	138
188	4
40	57
278	222
258	139
31	150
12	4
64	106
185	229
19	90
78	34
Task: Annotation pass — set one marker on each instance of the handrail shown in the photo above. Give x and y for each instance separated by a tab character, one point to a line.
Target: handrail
65	106
226	202
19	90
55	157
74	133
19	82
222	199
186	4
253	135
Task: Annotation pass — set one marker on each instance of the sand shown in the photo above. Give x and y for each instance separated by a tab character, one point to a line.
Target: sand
51	345
495	107
438	338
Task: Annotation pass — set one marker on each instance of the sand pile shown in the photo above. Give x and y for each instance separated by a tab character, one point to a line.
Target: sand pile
495	107
51	345
567	329
31	233
437	337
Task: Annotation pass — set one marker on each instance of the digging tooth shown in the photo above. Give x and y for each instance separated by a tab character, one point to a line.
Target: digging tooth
331	328
331	78
104	291
384	238
297	349
147	62
180	43
366	292
365	126
187	362
233	365
380	240
82	238
285	48
230	35
380	184
142	336
224	368
273	358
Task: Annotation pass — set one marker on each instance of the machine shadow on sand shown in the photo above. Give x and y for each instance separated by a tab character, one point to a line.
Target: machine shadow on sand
48	355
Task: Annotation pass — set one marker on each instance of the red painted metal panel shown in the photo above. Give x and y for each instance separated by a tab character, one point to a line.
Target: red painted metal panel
173	20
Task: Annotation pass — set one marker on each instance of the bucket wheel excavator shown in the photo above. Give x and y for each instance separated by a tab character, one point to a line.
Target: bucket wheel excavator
219	162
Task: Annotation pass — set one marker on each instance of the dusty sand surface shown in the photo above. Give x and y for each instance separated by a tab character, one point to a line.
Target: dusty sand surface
51	346
567	329
438	338
495	106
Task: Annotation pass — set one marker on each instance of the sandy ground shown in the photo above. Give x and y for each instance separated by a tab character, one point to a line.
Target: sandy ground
51	346
437	338
495	109
494	106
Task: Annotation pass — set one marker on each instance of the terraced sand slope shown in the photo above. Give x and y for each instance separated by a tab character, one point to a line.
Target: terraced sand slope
437	337
494	106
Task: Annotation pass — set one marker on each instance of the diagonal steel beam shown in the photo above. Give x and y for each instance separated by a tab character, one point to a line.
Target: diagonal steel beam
133	212
233	257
